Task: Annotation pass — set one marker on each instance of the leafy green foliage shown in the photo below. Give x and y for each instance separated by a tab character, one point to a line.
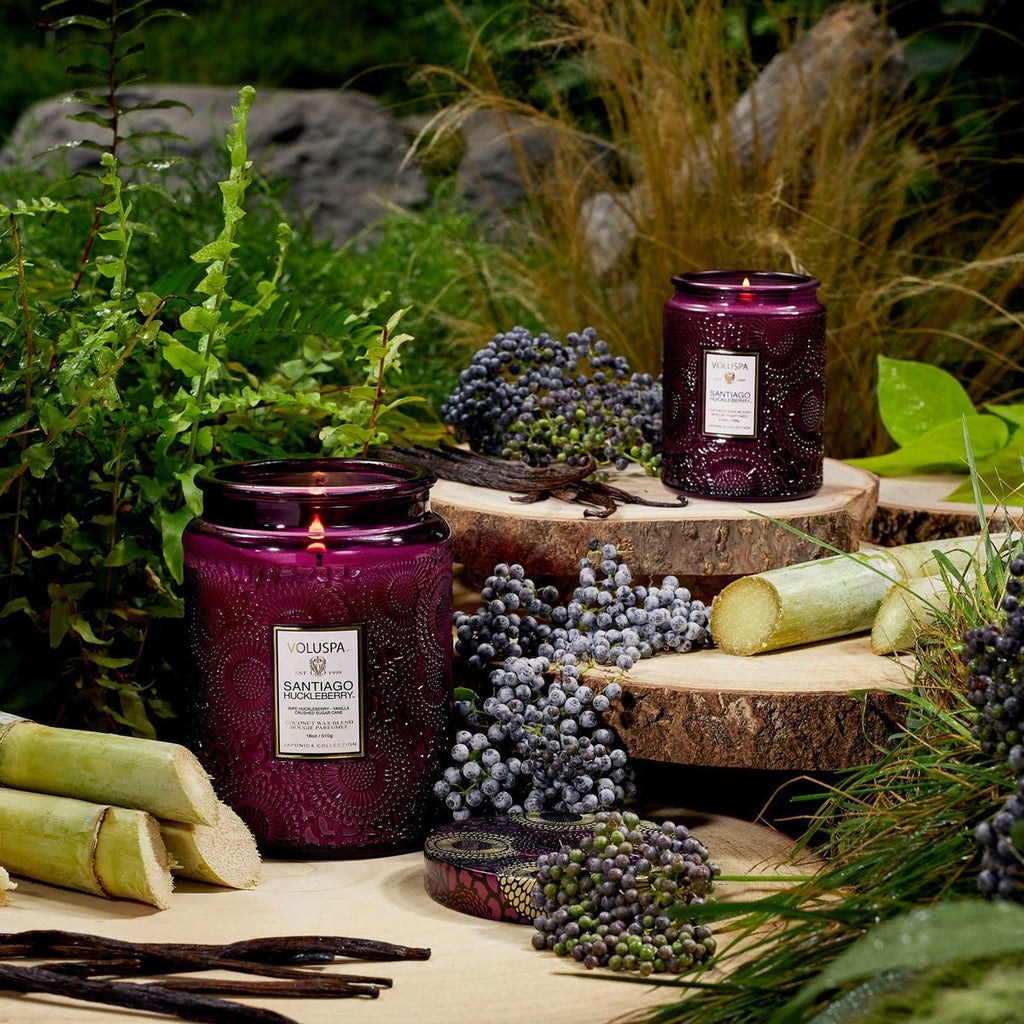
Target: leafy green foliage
916	940
112	397
927	412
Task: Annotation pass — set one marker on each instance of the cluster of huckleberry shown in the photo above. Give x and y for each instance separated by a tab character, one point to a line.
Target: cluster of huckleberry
618	899
529	398
994	655
532	736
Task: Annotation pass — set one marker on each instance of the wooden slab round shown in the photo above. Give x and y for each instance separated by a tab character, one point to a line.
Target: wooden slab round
705	543
475	964
790	710
911	508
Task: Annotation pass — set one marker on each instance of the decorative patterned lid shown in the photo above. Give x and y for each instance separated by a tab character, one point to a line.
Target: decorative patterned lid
487	866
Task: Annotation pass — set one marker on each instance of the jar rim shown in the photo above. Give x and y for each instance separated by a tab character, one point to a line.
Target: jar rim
283	479
761	281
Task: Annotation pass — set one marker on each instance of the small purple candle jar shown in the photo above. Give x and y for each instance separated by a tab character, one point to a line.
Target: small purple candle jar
319	612
744	386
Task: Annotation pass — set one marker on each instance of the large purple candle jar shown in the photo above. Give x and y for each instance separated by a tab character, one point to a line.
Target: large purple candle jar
744	385
319	616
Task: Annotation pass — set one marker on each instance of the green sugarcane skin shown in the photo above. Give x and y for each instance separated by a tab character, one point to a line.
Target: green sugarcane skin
50	838
827	597
819	602
162	778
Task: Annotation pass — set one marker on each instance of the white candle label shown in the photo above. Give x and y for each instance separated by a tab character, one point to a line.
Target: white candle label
318	692
730	393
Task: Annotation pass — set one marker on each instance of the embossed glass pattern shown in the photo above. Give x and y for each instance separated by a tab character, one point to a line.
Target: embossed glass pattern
322	753
744	386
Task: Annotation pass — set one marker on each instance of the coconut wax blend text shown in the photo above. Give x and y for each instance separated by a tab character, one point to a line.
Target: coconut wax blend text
319	620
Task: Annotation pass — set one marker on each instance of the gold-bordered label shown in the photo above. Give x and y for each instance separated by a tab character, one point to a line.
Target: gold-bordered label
730	390
318	692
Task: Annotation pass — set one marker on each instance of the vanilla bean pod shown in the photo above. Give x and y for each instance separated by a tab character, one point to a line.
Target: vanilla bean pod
322	986
271	951
152	959
532	483
469	467
153	998
129	966
336	945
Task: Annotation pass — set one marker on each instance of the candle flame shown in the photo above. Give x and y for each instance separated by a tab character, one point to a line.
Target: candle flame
746	296
316	533
746	282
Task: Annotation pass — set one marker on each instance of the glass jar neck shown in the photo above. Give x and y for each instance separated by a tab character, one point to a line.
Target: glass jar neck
314	493
747	290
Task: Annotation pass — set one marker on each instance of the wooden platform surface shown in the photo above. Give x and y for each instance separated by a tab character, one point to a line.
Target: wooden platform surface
913	508
481	968
819	707
706	543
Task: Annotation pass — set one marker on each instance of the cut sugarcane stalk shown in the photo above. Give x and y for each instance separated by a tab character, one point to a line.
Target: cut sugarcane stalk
909	609
107	851
131	859
5	885
165	779
224	853
829	597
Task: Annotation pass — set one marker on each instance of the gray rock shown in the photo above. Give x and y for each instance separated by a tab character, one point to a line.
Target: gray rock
340	152
501	151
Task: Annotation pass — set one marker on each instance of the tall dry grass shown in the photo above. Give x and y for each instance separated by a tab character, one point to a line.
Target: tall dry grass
858	190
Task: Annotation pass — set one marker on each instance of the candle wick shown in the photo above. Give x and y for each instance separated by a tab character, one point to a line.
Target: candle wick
316	533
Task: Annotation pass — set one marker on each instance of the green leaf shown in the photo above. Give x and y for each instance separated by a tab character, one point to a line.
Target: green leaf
38	458
915	397
81	20
916	940
51	419
106	661
17	604
172	526
199	319
60	620
219	249
1013	414
124	552
14	423
191	493
941	449
82	628
183	358
1000	474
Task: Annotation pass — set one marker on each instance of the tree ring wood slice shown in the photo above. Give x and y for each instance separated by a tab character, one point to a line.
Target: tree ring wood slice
911	508
819	707
706	543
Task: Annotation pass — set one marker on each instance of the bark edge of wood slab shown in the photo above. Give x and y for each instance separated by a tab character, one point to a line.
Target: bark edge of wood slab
706	543
910	508
821	707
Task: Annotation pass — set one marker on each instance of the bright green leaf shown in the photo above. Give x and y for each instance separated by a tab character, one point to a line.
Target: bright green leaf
182	358
1013	414
199	319
915	397
941	449
999	476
